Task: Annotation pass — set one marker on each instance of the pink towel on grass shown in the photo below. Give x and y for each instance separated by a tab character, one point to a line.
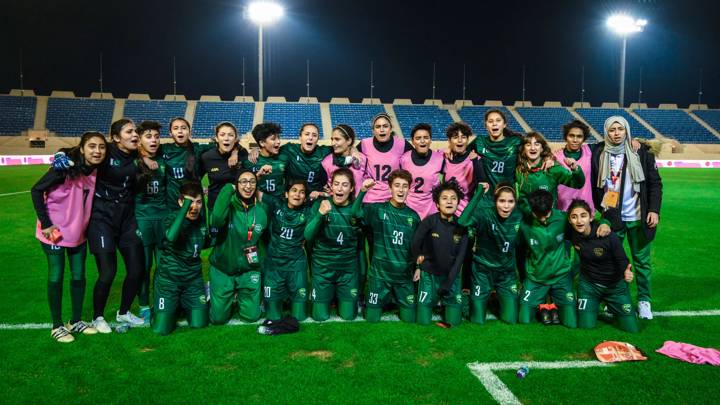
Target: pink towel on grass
690	353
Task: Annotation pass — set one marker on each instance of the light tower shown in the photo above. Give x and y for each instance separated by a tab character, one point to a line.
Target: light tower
263	13
624	25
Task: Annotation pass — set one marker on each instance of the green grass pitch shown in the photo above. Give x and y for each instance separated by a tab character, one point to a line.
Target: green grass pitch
357	362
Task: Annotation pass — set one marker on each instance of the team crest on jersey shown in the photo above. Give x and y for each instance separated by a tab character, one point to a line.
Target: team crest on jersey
302	292
214	170
114	162
627	308
533	242
281	166
570	296
203	230
302	217
514	289
353	292
457	238
203	299
517	227
598	251
458	298
410	299
138	233
559	237
410	221
543	187
254	278
435	235
258	227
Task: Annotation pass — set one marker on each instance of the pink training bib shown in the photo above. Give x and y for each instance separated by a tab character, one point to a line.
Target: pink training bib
425	178
69	206
380	164
462	173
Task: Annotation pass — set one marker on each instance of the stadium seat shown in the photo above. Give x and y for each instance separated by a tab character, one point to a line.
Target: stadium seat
209	114
291	116
358	116
596	117
17	114
711	117
546	120
73	116
676	124
156	110
475	117
410	115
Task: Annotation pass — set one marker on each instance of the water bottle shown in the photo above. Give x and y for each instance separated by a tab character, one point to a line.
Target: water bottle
122	328
522	372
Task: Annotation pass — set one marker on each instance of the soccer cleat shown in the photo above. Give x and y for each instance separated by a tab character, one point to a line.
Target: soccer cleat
644	310
129	317
62	335
145	314
555	316
81	327
101	325
545	317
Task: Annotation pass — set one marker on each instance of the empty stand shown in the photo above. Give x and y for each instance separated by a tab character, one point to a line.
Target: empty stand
475	117
73	116
209	114
711	117
291	116
410	115
546	120
596	117
17	114
358	116
156	110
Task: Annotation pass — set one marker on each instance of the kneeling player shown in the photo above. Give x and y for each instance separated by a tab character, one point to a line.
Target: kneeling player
335	262
393	224
604	271
179	276
440	245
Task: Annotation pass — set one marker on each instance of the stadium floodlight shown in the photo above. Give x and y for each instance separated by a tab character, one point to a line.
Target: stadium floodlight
624	25
263	13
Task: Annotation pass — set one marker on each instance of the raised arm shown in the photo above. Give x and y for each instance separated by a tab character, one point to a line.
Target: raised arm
176	228
221	209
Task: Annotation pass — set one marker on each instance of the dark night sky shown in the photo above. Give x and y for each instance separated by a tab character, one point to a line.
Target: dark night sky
61	40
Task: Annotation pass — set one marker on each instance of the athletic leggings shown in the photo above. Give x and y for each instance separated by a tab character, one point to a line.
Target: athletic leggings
56	272
133	256
151	256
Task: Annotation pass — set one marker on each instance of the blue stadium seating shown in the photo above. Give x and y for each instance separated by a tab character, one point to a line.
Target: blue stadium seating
410	115
677	124
155	110
596	117
475	117
711	117
209	114
291	116
73	116
358	116
546	120
17	114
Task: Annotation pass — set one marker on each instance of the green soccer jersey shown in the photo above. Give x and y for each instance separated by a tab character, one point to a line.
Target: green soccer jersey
240	228
495	237
181	247
393	231
335	237
174	157
287	227
499	159
150	201
305	166
545	180
547	259
273	183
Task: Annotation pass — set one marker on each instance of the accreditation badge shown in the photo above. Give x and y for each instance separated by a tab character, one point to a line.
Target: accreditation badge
611	199
251	255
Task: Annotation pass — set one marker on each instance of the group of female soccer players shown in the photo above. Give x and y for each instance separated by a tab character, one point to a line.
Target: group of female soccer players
372	223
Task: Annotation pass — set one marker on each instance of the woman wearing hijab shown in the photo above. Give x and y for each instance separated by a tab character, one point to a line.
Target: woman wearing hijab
627	190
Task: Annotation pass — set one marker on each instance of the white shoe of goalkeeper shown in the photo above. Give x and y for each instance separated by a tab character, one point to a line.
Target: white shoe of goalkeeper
130	318
644	310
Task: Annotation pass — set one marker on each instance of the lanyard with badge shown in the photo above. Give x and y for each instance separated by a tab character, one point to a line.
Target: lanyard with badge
612	195
251	253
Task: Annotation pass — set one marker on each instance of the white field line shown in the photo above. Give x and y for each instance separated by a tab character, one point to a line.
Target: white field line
485	372
334	319
15	193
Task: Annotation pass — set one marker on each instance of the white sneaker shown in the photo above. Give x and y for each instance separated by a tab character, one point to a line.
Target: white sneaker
130	318
62	335
644	310
81	327
101	325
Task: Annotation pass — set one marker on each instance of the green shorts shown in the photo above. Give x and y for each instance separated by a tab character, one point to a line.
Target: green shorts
225	287
430	284
505	283
280	285
380	291
169	294
152	231
344	285
616	296
534	294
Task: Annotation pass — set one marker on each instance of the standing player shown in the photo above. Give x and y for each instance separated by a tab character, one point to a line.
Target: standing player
393	224
605	271
285	266
531	176
628	190
113	225
304	160
63	202
496	231
336	237
216	162
383	152
150	206
575	134
267	136
345	155
426	166
179	278
440	244
236	259
461	165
